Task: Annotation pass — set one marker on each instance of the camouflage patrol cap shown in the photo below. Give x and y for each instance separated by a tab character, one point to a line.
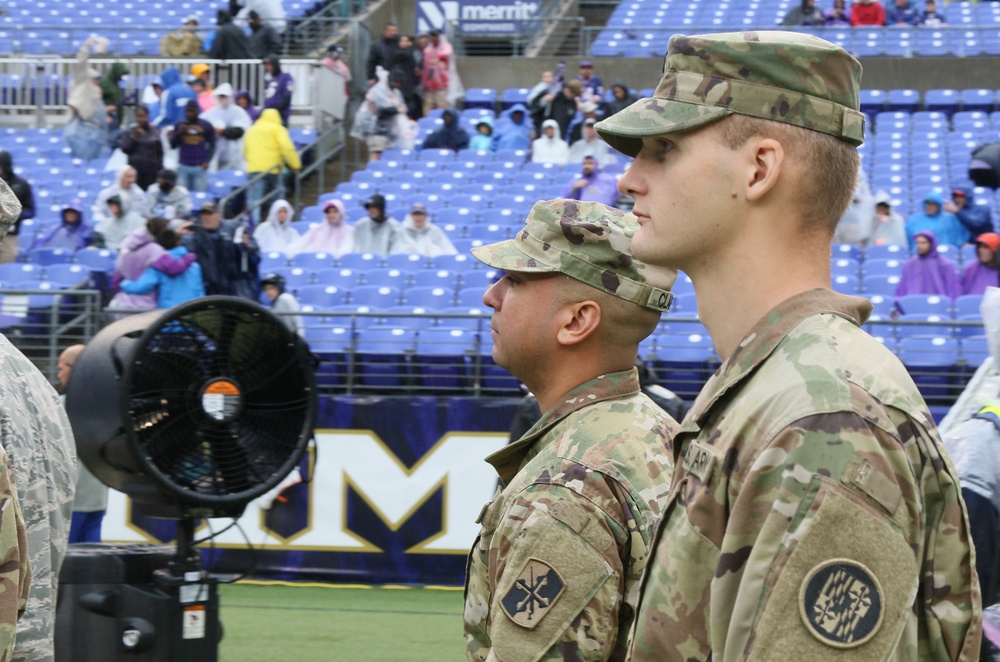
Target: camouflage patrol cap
779	76
587	241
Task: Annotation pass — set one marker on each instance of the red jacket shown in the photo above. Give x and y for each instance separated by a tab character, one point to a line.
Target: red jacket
870	14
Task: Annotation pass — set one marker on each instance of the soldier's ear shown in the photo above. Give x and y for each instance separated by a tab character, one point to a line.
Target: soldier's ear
764	159
578	321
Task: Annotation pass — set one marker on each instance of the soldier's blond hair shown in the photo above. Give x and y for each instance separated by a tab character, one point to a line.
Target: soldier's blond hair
830	165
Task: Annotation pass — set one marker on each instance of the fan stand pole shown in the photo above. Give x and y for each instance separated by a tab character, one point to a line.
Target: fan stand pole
187	555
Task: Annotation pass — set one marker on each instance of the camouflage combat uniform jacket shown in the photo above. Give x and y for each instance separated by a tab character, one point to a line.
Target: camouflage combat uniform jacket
36	435
813	512
554	573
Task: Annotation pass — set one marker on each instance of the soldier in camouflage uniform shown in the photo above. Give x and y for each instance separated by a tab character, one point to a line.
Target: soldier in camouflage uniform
37	438
16	573
813	512
554	572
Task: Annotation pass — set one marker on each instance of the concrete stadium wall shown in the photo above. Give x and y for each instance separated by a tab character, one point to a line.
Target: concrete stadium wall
879	72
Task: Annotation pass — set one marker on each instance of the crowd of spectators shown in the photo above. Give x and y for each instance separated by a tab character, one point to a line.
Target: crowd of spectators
902	13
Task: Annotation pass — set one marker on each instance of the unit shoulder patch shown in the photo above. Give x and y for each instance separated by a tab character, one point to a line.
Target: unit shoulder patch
840	603
535	591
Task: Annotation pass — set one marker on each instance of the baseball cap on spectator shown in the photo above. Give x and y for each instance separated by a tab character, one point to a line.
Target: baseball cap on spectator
157	81
191	19
588	107
208	207
590	121
588	241
198	69
784	77
377	200
418	208
167	175
586	64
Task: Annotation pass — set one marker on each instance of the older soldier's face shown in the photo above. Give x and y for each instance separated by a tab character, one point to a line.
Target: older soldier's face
683	186
524	307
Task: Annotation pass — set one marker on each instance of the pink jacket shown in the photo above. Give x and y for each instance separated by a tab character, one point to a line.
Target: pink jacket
436	61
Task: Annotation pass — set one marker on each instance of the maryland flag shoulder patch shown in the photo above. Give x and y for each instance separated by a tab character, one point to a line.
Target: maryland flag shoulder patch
841	603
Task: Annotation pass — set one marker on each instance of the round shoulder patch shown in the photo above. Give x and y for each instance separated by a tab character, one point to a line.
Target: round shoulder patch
841	603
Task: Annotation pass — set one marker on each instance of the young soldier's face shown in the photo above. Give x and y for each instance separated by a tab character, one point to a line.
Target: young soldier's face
685	191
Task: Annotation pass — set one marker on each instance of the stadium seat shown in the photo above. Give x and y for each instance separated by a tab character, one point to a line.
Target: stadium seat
478	97
480	279
380	360
313	261
435	278
67	275
845	284
932	362
386	277
466	317
883	267
845	266
360	261
925	304
332	344
973	350
406	261
886	251
443	358
47	256
968	304
684	362
13	272
903	100
432	298
98	260
375	296
322	297
879	284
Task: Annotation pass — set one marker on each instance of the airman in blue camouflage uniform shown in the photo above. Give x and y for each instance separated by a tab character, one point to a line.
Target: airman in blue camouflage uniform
15	575
813	513
553	574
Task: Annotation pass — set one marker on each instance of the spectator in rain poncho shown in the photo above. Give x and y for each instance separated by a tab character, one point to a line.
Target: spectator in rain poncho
888	227
230	122
945	225
927	272
378	118
125	187
854	227
87	130
72	234
483	138
167	198
978	275
451	135
550	148
116	224
174	98
277	233
334	60
515	134
418	235
590	144
621	98
334	235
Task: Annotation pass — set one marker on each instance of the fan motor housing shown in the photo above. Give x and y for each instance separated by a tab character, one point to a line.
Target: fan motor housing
198	409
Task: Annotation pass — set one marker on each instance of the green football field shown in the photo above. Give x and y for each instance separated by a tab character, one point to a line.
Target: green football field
267	622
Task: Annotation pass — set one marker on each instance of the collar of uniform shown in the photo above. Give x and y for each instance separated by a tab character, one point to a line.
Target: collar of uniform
765	336
509	460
